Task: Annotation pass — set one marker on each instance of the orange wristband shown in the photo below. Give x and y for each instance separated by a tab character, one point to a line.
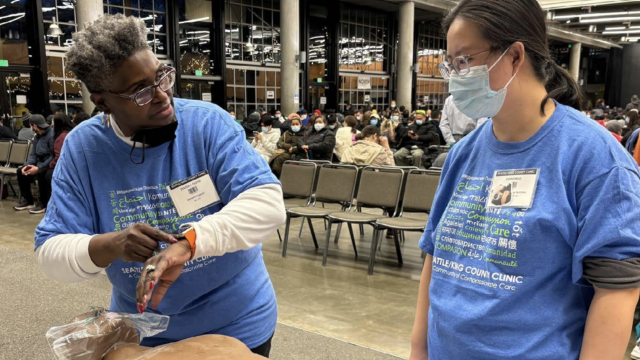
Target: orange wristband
190	235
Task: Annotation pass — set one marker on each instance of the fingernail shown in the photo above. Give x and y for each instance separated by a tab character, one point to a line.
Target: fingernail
151	285
144	300
173	240
140	308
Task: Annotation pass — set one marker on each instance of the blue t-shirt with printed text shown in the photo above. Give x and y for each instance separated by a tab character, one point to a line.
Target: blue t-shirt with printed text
97	189
508	283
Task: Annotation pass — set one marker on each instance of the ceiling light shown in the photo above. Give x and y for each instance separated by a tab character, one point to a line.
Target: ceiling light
563	4
615	28
54	29
195	20
611	19
618	32
593	15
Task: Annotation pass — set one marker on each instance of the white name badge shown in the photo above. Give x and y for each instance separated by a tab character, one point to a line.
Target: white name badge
194	193
513	188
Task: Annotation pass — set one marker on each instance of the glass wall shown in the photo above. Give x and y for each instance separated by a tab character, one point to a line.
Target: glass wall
364	48
252	30
249	89
152	12
431	86
195	37
64	12
65	92
13	31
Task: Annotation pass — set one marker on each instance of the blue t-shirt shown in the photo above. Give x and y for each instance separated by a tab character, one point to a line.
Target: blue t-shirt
97	189
509	284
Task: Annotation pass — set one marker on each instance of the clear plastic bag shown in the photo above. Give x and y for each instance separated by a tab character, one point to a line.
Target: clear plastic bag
92	335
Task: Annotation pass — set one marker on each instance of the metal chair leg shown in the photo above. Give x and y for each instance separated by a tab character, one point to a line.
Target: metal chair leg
396	239
313	233
301	227
326	243
286	235
338	233
361	226
279	236
374	246
353	239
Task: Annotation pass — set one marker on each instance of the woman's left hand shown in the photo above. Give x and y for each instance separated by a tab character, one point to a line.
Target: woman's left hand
167	267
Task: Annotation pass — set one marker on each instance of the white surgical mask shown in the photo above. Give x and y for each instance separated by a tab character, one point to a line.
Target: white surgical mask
265	129
419	122
318	127
332	127
358	118
393	106
472	93
374	122
295	129
394	118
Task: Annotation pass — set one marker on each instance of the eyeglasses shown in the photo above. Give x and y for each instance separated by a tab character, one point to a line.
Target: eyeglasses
459	65
146	95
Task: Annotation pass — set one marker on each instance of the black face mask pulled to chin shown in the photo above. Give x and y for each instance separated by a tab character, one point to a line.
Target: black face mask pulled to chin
152	138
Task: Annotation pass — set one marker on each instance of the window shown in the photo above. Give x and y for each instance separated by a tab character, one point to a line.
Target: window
431	87
65	91
154	15
252	30
251	89
378	93
363	40
64	13
195	37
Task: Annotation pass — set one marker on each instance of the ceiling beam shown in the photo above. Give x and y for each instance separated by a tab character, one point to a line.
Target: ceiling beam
568	36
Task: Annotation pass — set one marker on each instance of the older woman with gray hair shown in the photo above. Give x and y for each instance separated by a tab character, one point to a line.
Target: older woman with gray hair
163	193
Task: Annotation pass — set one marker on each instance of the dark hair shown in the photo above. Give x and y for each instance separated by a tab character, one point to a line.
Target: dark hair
61	123
405	114
599	117
368	131
600	102
332	119
435	114
504	22
266	120
402	108
633	118
80	117
352	123
49	118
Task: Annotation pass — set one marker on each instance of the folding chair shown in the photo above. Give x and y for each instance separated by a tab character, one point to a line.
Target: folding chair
298	181
419	193
327	191
5	151
17	157
379	187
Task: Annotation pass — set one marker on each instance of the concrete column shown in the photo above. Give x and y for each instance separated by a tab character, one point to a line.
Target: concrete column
574	61
87	11
405	54
290	47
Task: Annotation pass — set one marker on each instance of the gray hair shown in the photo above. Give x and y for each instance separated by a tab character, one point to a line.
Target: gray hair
614	126
105	44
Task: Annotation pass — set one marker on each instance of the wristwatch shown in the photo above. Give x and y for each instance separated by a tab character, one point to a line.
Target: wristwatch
187	232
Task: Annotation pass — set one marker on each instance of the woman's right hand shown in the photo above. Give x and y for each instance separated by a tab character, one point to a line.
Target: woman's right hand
418	354
139	241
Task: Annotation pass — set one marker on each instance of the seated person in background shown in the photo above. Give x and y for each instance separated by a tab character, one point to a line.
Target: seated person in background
318	142
439	161
366	118
287	145
419	136
5	132
340	118
388	130
49	119
252	123
334	125
346	135
266	140
37	164
370	149
61	126
280	122
26	133
80	117
615	129
436	115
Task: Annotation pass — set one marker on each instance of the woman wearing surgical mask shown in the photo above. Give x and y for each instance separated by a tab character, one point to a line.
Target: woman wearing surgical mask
287	145
550	272
265	140
318	142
